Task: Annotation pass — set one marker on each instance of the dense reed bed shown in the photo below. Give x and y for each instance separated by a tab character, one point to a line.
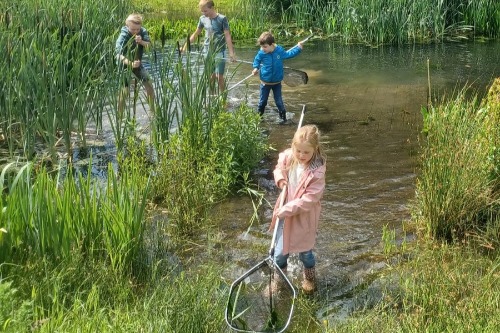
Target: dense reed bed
56	66
371	22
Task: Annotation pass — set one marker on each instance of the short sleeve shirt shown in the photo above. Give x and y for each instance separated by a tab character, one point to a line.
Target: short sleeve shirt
214	31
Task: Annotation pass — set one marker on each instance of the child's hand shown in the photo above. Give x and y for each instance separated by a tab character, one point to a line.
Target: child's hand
300	45
232	57
136	64
255	71
282	183
138	39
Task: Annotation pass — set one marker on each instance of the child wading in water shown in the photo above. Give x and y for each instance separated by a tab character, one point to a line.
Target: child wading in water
217	39
269	62
302	169
129	49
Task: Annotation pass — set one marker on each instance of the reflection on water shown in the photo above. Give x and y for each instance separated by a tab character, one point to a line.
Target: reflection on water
367	104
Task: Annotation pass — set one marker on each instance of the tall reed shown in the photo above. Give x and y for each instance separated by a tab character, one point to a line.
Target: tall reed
455	194
52	217
55	69
378	22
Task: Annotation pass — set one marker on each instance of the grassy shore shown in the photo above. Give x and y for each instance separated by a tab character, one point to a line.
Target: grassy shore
373	23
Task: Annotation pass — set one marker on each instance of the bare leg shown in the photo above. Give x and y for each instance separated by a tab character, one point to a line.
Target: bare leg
150	94
221	83
122	96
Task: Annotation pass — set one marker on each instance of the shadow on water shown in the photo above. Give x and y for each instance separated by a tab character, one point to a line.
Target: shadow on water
366	102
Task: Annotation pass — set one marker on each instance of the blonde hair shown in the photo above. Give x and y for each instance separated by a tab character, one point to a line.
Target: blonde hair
206	3
309	134
134	18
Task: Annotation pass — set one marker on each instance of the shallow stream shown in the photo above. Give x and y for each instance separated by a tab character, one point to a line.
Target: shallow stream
367	103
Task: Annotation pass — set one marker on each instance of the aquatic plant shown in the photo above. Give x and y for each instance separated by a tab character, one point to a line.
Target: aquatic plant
455	192
46	216
55	71
374	22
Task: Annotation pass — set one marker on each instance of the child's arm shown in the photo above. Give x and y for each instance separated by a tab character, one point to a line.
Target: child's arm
143	38
192	38
280	173
120	48
307	201
230	46
294	51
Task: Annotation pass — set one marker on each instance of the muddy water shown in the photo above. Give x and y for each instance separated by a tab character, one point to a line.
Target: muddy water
366	102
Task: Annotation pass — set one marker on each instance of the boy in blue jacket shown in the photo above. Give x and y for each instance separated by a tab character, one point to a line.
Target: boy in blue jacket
269	62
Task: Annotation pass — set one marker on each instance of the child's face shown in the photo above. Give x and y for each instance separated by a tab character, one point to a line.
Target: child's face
133	28
303	152
267	48
208	12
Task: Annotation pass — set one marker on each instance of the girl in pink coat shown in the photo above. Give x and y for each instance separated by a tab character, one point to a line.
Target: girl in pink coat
302	169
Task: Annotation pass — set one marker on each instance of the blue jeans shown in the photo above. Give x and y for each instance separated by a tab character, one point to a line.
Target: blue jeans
265	89
281	260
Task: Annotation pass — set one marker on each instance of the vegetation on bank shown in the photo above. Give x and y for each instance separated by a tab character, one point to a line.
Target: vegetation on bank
369	22
79	255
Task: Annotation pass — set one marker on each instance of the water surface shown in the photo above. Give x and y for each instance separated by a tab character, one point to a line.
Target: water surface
367	103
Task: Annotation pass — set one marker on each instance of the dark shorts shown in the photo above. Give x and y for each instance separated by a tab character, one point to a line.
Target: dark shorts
140	74
220	61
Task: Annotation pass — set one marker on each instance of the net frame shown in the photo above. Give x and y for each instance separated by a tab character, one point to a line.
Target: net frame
254	306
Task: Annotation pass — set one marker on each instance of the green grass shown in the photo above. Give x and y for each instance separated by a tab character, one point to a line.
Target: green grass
441	288
371	22
456	195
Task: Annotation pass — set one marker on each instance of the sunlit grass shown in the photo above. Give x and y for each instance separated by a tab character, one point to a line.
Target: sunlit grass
84	296
455	192
441	289
373	22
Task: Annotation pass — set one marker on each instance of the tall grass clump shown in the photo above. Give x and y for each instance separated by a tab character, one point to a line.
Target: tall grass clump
47	217
492	129
202	150
455	190
195	171
55	69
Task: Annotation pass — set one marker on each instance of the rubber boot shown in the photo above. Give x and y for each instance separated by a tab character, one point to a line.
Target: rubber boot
283	117
309	282
276	284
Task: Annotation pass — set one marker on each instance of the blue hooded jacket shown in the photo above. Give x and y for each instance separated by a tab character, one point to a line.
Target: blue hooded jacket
270	65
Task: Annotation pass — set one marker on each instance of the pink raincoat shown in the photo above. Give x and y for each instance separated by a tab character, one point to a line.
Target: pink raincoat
302	208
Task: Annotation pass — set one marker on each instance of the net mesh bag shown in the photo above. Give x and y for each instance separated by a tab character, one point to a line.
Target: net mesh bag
261	300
